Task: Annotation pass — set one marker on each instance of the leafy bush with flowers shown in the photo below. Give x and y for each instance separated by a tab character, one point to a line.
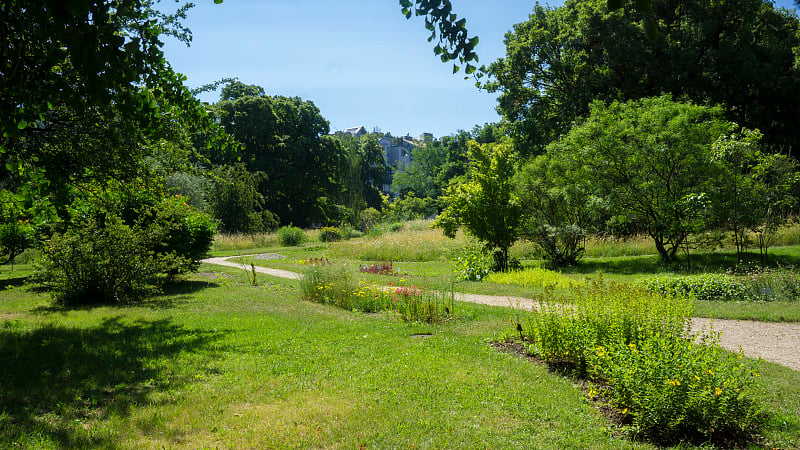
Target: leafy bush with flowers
674	389
633	342
333	285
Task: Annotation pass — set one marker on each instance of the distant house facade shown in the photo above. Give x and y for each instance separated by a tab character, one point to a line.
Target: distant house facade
397	154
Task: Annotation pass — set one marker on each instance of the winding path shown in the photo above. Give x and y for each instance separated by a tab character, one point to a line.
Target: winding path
775	342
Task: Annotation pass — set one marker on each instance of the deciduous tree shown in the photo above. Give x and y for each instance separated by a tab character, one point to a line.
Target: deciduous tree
485	204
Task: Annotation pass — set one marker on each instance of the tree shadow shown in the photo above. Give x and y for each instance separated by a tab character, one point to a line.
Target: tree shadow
54	377
700	262
17	281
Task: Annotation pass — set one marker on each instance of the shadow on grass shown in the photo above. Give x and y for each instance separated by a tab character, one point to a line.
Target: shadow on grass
54	377
696	263
14	281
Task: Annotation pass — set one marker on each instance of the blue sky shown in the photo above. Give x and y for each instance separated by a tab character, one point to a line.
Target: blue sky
360	61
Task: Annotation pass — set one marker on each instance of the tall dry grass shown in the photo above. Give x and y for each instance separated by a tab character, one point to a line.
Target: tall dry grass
416	241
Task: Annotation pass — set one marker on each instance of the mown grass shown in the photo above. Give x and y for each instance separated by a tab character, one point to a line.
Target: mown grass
215	362
219	363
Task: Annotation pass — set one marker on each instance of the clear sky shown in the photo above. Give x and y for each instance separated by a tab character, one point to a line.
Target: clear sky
360	61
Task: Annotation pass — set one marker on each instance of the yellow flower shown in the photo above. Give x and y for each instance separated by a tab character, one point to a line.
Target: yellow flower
673	382
632	346
717	392
601	352
709	372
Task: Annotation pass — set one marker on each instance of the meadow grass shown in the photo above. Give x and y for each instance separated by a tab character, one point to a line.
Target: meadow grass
216	362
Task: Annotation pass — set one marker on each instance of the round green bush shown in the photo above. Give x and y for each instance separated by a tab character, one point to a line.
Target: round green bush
290	236
330	234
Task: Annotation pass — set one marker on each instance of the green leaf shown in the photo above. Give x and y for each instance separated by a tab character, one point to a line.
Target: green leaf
615	4
22	124
217	1
470	69
456	68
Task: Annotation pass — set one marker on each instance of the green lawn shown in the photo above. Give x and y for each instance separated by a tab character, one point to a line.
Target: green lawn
215	362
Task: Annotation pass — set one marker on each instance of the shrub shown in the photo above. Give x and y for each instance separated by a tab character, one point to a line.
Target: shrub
632	341
676	390
567	327
330	234
473	264
189	233
290	236
101	262
707	286
765	284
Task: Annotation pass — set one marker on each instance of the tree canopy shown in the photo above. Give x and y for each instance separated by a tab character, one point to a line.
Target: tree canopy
485	204
736	53
286	139
651	159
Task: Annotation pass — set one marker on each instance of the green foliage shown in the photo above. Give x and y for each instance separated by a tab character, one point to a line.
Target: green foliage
290	236
485	204
651	161
561	59
780	285
195	189
183	231
559	210
570	326
707	286
760	284
88	97
330	234
411	207
285	137
453	38
189	233
105	262
472	264
632	341
368	218
236	202
676	390
332	285
755	192
15	237
122	246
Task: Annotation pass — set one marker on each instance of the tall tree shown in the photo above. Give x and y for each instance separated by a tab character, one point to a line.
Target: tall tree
284	137
736	53
87	95
651	159
485	205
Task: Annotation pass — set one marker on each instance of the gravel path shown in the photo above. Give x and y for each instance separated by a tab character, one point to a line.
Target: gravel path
274	272
774	342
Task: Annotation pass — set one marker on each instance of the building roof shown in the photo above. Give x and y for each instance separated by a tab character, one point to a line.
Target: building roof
356	131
